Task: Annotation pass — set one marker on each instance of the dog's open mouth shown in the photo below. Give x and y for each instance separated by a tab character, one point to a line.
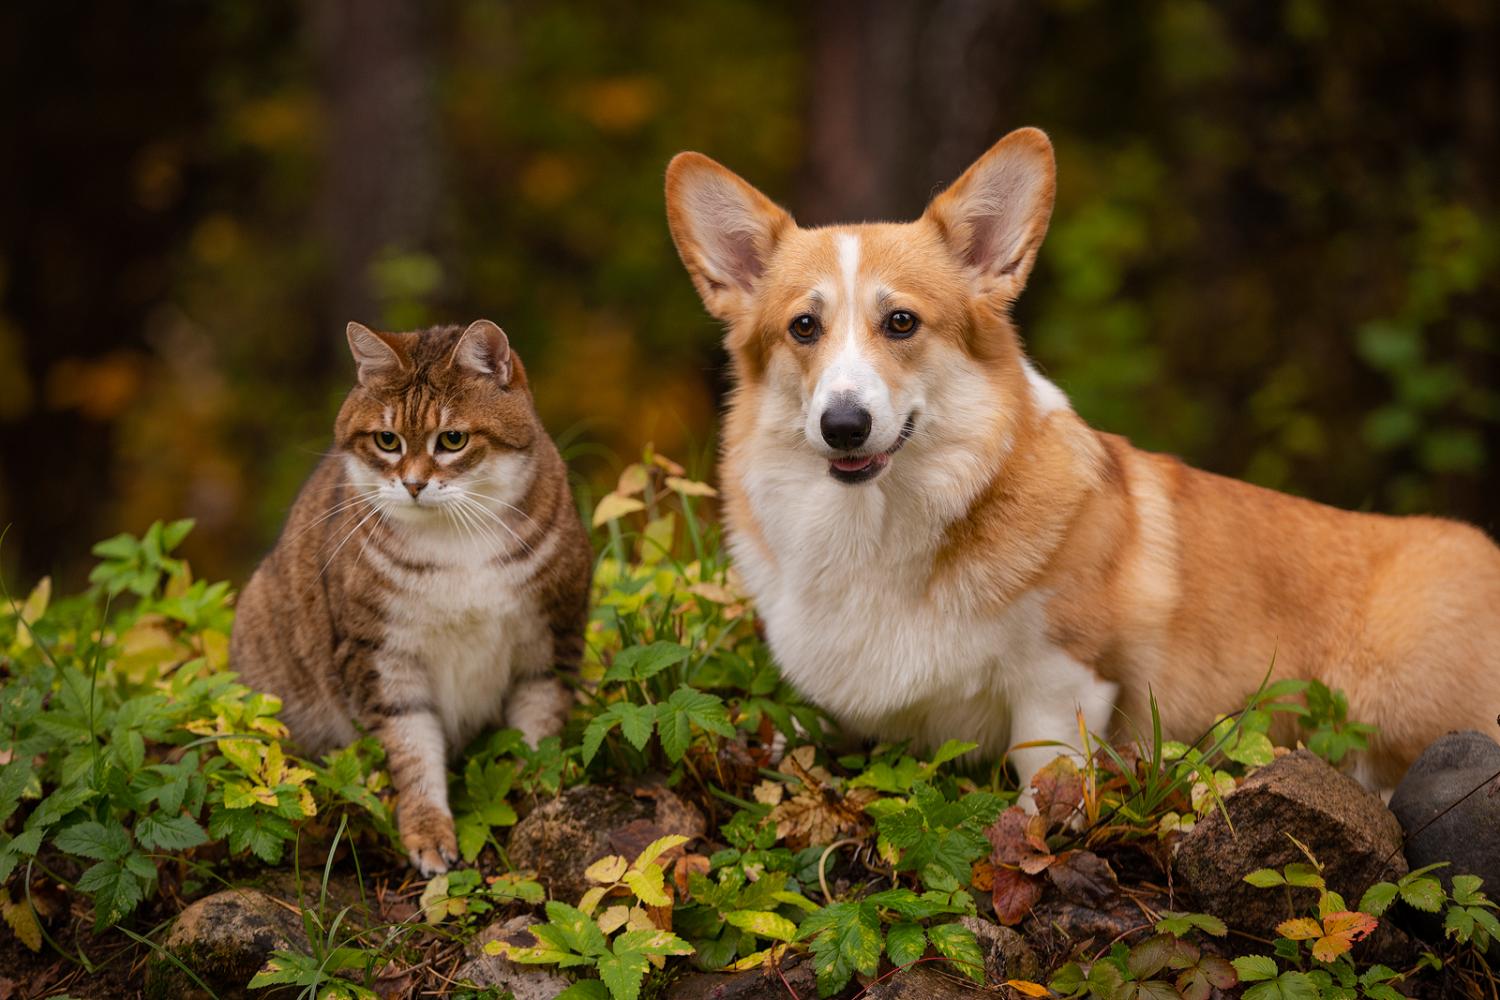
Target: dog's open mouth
863	468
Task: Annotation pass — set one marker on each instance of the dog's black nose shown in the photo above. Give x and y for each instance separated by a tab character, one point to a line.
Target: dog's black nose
845	425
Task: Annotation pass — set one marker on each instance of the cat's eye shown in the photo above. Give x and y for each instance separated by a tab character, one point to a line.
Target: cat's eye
387	440
900	324
804	329
452	440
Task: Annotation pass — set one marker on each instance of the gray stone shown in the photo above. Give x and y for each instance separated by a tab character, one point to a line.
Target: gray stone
561	838
1006	953
524	982
224	939
1347	829
1468	835
927	981
755	984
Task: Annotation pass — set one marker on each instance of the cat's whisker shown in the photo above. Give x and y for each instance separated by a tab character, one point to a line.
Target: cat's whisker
471	511
376	509
467	497
339	508
503	503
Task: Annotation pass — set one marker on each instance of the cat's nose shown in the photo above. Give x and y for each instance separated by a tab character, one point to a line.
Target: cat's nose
414	486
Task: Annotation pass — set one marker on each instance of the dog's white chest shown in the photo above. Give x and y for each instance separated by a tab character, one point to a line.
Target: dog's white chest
474	628
850	620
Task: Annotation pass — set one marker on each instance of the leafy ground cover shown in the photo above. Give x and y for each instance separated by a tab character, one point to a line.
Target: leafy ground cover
136	775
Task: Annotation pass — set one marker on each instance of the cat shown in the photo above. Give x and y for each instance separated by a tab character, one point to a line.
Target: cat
432	577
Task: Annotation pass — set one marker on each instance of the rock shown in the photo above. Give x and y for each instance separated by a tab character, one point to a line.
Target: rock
1006	953
225	939
561	838
1299	795
1056	928
926	982
1468	835
524	982
756	984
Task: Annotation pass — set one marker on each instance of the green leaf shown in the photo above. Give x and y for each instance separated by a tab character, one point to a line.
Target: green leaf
763	923
622	973
688	707
577	928
958	943
905	943
1378	898
1254	968
92	839
115	890
1303	875
1425	894
1466	890
585	989
174	833
1265	878
847	939
22	845
640	662
594	733
652	942
951	750
635	722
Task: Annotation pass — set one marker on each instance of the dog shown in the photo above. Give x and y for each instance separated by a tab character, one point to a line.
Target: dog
941	548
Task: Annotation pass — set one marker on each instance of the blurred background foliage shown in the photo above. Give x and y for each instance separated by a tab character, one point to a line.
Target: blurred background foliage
1275	248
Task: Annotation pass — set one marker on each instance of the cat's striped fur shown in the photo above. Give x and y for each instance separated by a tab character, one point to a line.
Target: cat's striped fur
425	592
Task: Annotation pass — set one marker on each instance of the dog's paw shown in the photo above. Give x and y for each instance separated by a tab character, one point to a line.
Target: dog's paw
428	836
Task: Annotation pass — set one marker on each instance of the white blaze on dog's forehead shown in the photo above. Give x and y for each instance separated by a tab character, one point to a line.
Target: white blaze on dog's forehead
848	246
848	371
1044	393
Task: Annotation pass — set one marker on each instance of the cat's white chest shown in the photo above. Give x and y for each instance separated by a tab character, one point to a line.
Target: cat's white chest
471	629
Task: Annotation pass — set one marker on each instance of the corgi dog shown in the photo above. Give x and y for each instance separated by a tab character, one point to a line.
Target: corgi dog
941	548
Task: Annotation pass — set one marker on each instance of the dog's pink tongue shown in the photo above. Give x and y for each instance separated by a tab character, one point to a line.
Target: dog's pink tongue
853	464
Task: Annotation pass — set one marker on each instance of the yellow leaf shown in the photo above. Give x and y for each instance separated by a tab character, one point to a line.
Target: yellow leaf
1026	987
434	900
668	466
34	607
656	849
215	648
633	480
769	793
591	898
608	869
1300	929
613	918
648	886
613	506
689	487
22	920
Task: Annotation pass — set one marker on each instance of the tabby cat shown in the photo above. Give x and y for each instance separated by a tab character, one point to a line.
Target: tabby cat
432	577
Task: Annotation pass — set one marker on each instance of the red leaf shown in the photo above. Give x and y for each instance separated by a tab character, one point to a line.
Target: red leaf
1059	790
1014	895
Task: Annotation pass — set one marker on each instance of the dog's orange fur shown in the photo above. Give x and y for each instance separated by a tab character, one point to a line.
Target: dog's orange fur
1158	577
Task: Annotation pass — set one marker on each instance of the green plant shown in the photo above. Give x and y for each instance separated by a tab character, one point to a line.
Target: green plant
573	938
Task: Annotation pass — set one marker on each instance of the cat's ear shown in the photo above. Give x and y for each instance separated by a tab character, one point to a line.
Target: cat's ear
724	229
995	215
374	354
484	350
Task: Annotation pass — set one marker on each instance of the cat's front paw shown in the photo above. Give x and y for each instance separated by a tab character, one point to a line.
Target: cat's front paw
427	834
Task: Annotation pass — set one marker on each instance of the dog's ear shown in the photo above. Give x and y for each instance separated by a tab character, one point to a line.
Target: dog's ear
724	229
995	215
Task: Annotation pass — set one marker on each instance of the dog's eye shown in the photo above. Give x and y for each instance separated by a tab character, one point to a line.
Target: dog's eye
804	328
901	323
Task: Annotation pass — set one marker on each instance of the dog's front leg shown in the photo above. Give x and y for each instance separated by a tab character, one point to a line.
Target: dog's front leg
1044	708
